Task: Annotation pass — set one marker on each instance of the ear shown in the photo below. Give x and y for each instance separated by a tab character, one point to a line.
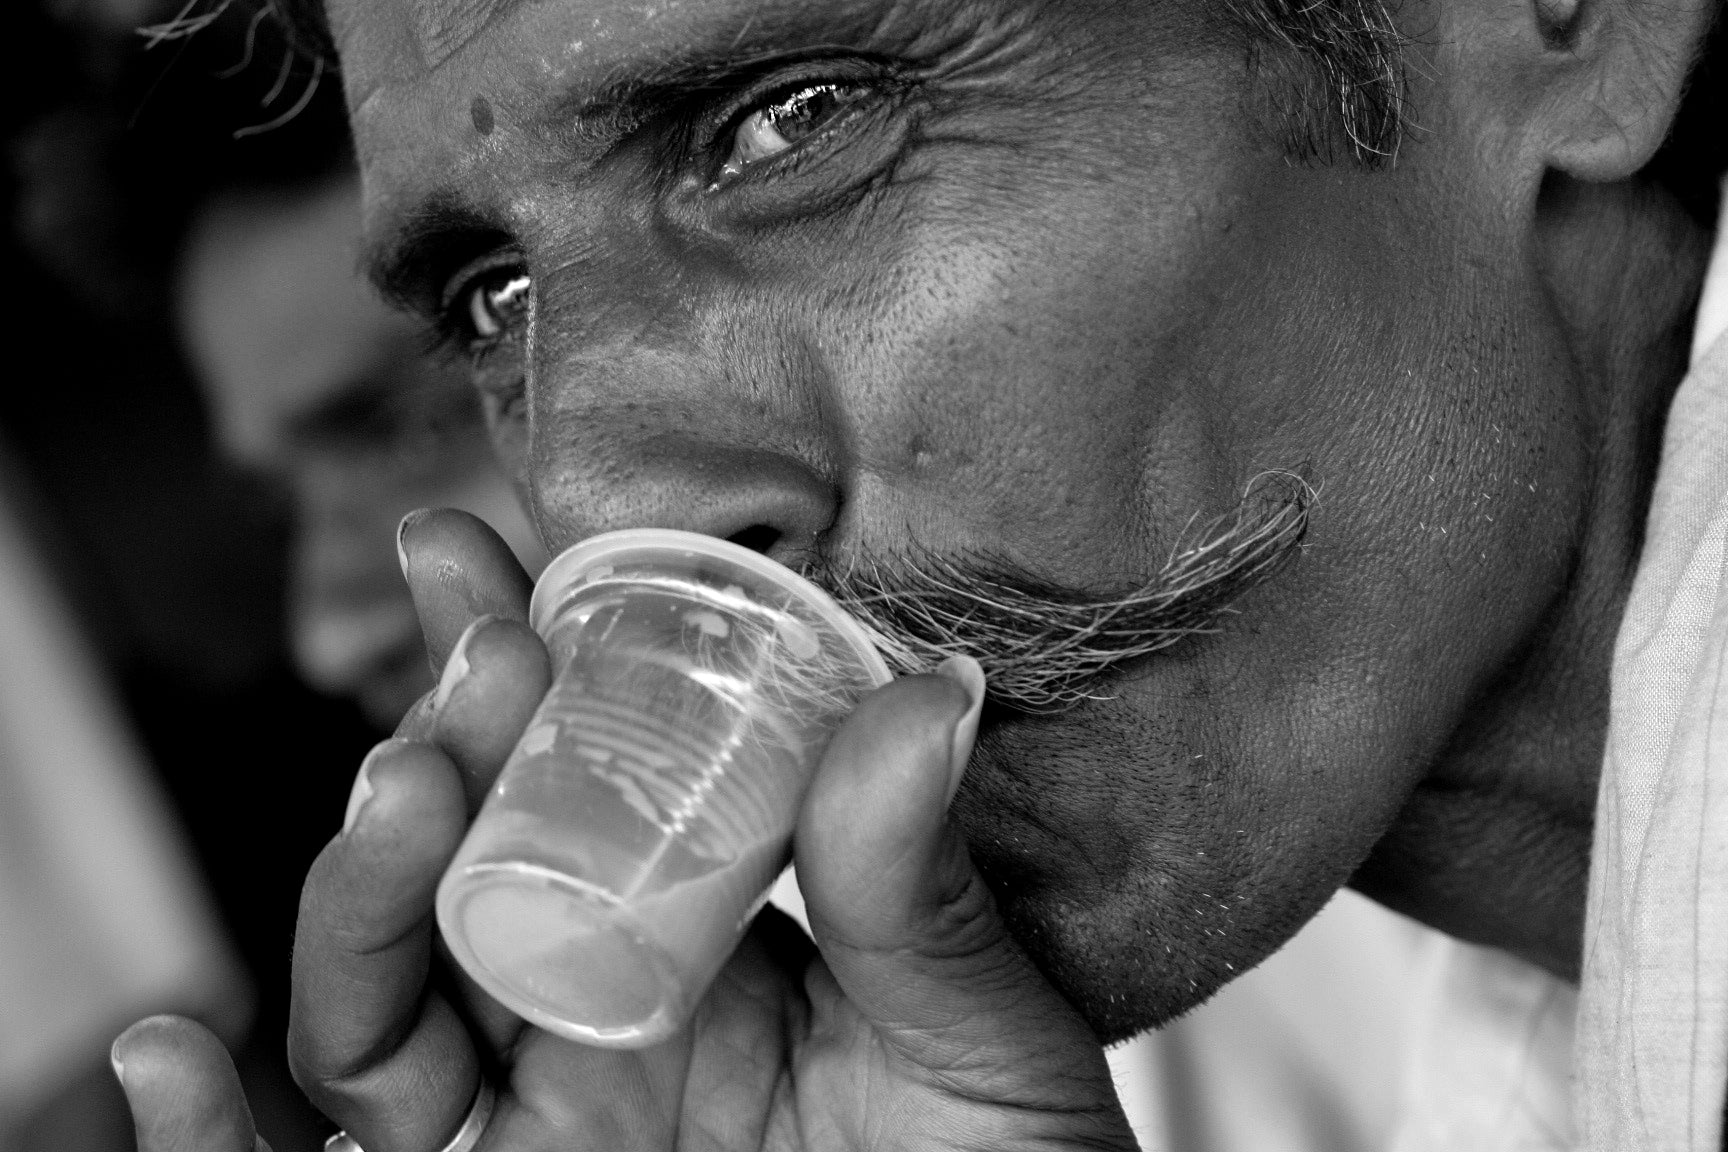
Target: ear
1608	78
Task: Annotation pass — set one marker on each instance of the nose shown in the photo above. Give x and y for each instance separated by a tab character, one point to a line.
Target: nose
669	388
601	477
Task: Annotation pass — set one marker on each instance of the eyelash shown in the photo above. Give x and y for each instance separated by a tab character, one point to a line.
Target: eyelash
452	333
873	86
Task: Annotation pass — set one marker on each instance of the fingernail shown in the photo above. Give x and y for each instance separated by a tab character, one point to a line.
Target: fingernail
964	671
402	527
115	1062
456	667
362	790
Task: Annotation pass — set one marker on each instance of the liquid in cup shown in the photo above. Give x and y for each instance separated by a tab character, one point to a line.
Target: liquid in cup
648	807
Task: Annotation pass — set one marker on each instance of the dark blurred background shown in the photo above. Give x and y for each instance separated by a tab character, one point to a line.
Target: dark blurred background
172	560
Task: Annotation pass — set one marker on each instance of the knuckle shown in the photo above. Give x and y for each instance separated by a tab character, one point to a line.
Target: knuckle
317	1064
324	1059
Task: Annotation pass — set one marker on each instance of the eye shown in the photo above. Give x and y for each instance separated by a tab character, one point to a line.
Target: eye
497	304
782	124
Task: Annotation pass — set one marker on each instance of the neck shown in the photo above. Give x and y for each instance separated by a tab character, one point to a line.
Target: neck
1494	846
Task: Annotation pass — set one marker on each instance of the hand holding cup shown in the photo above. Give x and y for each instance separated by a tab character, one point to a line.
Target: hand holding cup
913	1022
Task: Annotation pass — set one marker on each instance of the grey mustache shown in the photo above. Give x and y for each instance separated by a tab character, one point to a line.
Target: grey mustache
1046	648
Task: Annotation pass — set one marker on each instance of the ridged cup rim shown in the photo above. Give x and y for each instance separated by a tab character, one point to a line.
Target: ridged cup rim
579	558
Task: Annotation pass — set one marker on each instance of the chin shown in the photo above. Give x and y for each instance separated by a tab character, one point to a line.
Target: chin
1132	962
1113	868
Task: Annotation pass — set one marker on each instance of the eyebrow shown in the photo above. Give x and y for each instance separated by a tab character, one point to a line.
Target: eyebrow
617	105
435	237
438	235
425	245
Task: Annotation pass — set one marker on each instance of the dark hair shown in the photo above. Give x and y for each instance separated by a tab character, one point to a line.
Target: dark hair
304	24
107	181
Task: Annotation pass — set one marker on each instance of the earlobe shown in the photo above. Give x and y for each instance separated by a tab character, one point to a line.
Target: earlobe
1615	71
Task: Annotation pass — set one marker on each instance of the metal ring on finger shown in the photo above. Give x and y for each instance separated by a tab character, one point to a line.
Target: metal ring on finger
467	1136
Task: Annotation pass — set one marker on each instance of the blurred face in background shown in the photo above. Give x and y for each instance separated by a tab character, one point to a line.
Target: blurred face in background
316	382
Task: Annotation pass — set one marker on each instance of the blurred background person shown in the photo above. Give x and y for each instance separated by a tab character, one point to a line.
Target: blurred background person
319	385
186	218
169	568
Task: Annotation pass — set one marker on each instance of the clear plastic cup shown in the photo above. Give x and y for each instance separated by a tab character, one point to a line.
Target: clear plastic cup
647	809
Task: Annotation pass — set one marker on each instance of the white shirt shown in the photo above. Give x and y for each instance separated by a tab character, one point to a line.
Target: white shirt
1653	1024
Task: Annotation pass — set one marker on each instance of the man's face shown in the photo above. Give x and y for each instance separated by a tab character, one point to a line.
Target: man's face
314	380
1022	278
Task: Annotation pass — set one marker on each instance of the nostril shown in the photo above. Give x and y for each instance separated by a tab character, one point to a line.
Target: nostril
757	538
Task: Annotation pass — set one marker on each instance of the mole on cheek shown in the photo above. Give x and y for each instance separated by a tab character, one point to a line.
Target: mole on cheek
481	113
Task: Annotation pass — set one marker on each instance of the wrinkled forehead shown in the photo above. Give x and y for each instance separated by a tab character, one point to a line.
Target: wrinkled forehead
428	81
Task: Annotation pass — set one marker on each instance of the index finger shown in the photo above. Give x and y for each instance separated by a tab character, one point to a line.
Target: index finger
458	570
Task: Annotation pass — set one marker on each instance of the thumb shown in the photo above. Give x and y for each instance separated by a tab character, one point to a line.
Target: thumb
182	1088
905	923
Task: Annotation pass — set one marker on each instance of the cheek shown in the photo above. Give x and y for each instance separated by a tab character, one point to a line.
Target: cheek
1017	375
1242	778
1444	432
